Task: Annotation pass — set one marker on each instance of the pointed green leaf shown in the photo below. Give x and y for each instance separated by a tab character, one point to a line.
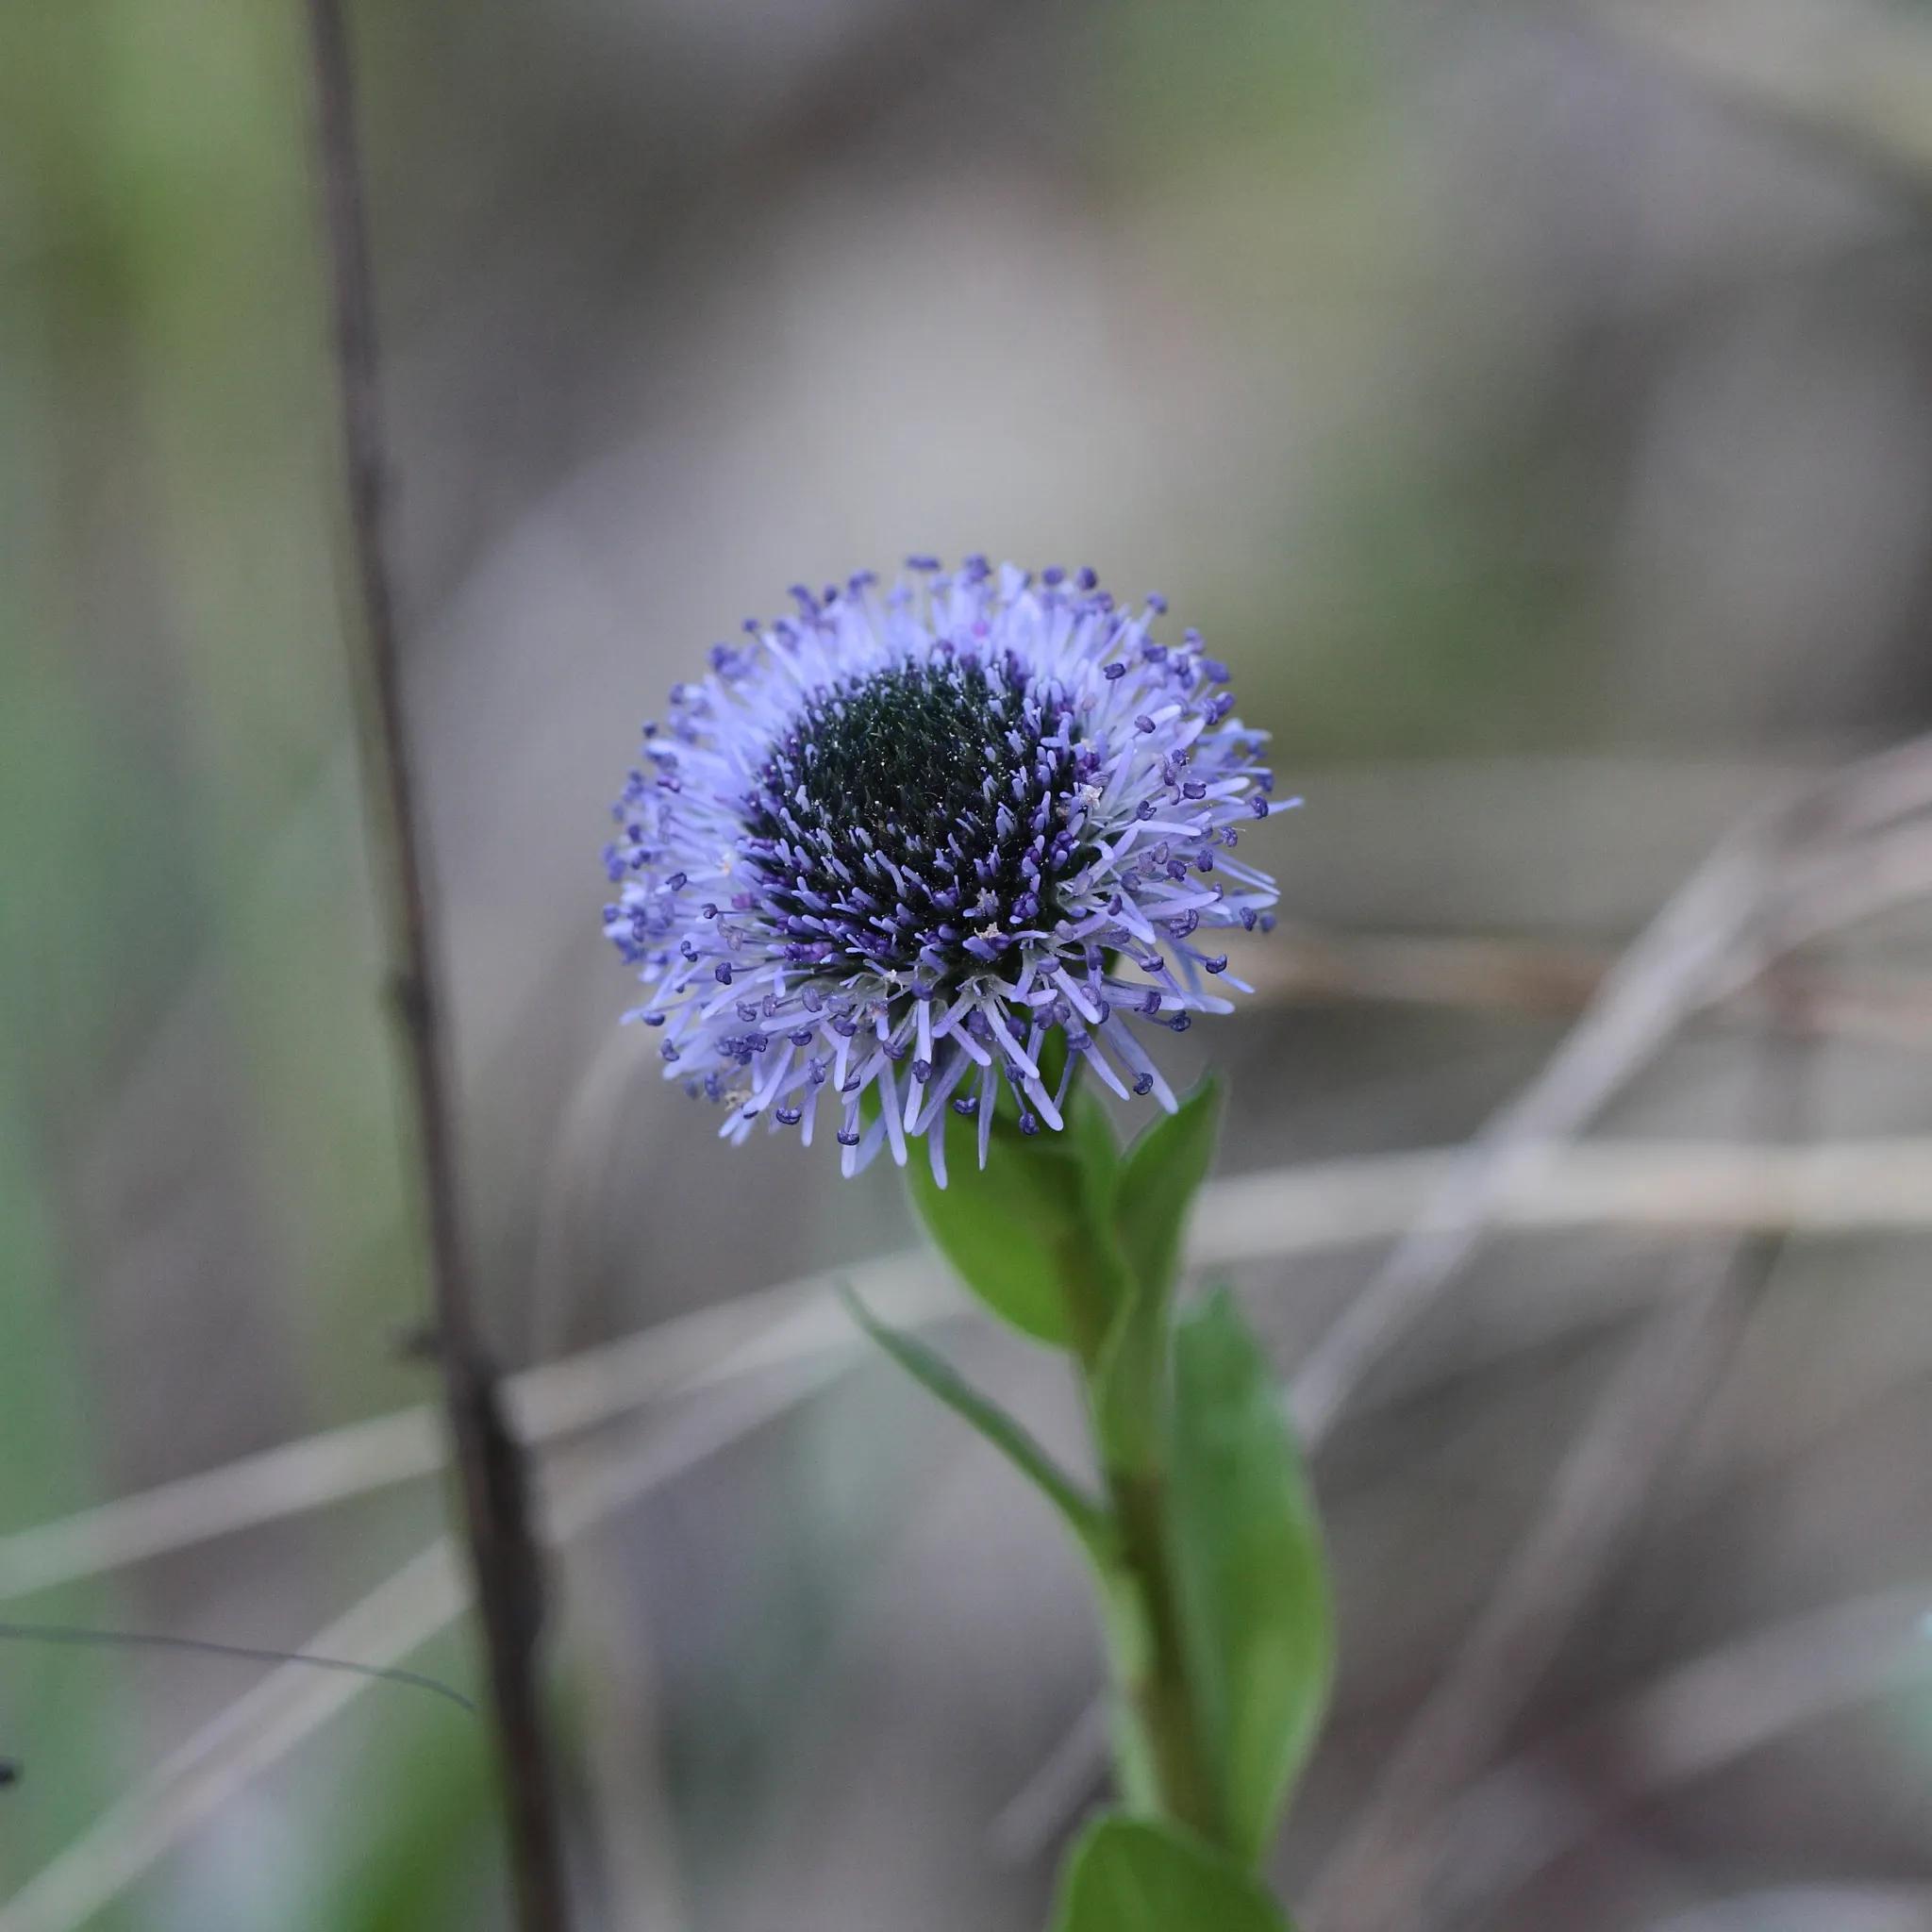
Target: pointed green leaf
1160	1179
1125	1388
1155	1188
1021	1232
1128	1874
1249	1570
1089	1522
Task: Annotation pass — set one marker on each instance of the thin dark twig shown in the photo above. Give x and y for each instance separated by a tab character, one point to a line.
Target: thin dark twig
494	1489
243	1653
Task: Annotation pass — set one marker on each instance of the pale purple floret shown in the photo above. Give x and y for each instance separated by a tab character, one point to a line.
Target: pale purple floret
888	844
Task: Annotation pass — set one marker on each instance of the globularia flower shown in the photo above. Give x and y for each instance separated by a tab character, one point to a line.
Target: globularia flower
891	843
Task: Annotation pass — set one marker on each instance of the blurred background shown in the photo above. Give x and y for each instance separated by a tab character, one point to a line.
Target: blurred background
1533	405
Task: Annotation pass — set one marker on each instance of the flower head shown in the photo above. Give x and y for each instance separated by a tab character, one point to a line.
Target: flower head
891	843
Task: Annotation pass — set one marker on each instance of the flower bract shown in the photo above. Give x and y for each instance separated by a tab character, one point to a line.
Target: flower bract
886	846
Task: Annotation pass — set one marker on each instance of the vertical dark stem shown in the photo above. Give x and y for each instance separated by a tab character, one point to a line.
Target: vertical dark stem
503	1551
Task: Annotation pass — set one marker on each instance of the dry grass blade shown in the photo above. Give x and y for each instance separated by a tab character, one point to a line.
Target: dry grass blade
1835	855
1701	1716
1030	1819
1842	1187
1307	963
1695	1720
1383	1870
292	1702
1835	851
252	1733
1382	1873
670	1358
1857	77
1841	848
1873	1906
1838	1187
1671	971
255	1489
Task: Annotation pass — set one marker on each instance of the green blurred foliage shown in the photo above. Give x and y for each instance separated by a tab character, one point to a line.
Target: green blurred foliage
1253	1577
179	816
1130	1876
418	1845
185	811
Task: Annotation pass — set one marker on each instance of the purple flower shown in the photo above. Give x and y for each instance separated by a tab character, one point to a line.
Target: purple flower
889	843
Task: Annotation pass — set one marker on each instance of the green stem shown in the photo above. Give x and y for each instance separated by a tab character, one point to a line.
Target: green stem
1158	1690
1159	1742
1150	1664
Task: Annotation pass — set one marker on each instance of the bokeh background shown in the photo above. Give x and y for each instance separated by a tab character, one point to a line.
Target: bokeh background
1532	404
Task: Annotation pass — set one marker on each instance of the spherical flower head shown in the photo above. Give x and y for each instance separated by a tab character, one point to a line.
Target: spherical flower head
890	845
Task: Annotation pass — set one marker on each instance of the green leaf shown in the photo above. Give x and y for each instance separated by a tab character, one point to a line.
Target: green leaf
1090	1138
1158	1180
1130	1876
1155	1188
1249	1570
1021	1233
1089	1522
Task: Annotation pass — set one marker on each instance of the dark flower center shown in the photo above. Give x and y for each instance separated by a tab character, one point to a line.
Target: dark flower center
907	814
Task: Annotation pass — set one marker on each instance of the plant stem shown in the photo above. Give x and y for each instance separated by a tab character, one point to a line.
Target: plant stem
1152	1671
1160	1691
489	1459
